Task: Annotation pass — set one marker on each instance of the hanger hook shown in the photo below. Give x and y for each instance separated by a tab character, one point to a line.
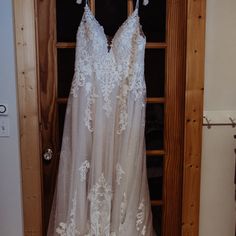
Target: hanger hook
208	122
232	121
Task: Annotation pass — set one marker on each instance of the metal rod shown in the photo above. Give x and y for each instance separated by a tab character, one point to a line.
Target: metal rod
219	124
209	124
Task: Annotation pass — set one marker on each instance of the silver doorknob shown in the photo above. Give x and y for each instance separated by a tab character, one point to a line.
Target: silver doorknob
48	154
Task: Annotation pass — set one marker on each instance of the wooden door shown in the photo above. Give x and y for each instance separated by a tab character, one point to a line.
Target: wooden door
163	23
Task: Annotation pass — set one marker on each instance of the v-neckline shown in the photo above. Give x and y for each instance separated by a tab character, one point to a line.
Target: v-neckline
110	44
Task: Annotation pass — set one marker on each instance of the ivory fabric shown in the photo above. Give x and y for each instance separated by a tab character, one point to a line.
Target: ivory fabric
102	184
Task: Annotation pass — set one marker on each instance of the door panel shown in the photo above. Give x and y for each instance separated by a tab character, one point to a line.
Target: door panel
153	20
154	129
65	70
155	72
163	24
68	16
111	15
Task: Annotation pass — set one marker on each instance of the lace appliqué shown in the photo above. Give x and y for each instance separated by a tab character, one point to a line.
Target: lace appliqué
84	170
123	207
69	229
136	82
140	219
82	71
91	96
77	82
119	173
100	197
108	76
123	115
109	68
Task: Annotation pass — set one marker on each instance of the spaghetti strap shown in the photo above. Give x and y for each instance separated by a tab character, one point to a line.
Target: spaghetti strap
145	3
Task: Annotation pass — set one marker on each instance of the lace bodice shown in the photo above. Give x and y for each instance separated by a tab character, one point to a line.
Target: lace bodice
105	66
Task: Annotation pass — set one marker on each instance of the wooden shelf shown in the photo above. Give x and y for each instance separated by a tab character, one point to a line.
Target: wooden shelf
65	45
160	100
62	100
155	100
156	202
155	152
149	45
153	45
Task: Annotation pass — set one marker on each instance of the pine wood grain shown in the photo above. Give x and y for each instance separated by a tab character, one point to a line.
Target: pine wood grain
193	116
26	60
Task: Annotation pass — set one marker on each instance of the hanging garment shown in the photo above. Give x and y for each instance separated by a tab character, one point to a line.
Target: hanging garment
102	186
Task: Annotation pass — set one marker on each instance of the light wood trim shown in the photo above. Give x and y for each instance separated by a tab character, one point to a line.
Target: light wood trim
159	100
196	15
26	59
149	45
156	202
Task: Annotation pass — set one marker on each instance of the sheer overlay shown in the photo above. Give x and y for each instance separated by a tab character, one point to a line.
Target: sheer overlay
102	185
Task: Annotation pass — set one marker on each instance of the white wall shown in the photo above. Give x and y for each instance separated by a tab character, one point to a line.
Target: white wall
10	180
217	210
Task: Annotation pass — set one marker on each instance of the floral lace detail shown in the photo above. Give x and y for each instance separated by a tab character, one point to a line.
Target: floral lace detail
123	115
123	207
109	76
119	173
91	96
136	82
69	229
77	82
84	170
93	60
100	197
83	58
140	218
82	71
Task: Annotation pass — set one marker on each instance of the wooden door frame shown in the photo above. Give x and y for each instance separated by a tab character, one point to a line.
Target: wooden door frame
29	114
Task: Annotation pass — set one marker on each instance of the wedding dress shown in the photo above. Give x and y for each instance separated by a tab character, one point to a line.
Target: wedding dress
102	185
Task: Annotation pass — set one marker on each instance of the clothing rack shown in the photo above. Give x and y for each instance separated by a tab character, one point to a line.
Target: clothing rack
219	118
